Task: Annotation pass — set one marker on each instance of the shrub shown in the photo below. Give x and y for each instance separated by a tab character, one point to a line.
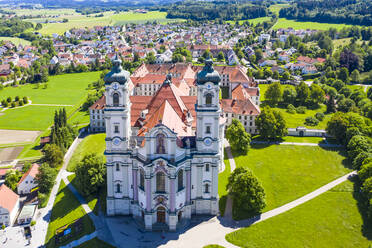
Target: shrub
365	171
319	116
301	110
291	109
9	99
360	158
311	121
20	103
16	98
33	223
247	192
25	100
13	104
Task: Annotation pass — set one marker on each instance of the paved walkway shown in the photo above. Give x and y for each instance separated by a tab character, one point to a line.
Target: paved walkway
100	225
295	143
214	230
44	214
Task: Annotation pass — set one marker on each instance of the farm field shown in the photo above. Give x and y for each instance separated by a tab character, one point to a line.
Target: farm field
288	172
32	117
15	41
17	137
66	209
77	20
329	220
92	143
285	23
68	91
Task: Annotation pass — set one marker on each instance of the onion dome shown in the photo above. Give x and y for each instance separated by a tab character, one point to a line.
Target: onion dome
117	73
208	74
168	79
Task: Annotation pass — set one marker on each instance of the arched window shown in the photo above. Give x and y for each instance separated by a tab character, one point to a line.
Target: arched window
142	179
115	99
118	188
160	144
208	99
180	180
160	182
206	188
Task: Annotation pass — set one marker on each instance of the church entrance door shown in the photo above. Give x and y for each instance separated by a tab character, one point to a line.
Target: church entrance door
161	215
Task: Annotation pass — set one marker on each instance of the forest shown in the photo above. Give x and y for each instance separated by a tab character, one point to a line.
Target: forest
211	10
13	26
354	12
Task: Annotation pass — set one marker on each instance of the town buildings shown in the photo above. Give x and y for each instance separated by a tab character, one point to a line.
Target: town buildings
147	79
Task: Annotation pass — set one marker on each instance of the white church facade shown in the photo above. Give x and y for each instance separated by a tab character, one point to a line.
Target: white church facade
163	151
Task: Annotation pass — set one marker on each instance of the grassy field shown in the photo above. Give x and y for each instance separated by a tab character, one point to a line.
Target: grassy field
289	172
275	8
66	209
109	18
329	220
295	120
15	41
222	182
91	200
92	143
285	23
95	243
67	89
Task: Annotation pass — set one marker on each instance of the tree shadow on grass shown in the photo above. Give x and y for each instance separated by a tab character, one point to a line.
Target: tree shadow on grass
67	204
362	204
342	152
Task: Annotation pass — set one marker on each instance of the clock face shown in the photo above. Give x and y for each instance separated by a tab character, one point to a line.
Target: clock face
208	141
116	141
115	86
209	86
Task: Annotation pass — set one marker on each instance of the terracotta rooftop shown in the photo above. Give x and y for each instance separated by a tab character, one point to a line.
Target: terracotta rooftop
242	107
8	199
100	104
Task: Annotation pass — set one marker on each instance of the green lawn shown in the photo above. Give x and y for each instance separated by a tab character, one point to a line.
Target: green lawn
95	243
79	117
66	209
91	200
329	220
295	120
222	182
288	172
16	41
92	143
285	23
67	89
30	117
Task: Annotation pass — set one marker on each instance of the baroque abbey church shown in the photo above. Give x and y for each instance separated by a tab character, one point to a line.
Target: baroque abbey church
163	151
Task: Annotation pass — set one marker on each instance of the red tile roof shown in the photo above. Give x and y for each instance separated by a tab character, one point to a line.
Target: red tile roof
8	199
242	107
32	172
100	104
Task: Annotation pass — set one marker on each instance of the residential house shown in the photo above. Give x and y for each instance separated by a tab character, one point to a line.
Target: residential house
28	182
9	205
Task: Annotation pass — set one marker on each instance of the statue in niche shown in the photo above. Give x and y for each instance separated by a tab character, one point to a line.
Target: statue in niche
160	144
